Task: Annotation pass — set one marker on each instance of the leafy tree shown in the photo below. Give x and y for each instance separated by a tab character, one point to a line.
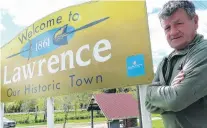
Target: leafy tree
28	106
110	90
11	107
72	102
42	106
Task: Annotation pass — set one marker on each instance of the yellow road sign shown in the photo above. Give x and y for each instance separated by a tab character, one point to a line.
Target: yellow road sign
86	47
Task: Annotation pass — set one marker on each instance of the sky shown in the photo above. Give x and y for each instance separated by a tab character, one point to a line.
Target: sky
16	15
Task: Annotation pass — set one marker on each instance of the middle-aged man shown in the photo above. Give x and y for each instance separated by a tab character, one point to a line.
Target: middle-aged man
179	89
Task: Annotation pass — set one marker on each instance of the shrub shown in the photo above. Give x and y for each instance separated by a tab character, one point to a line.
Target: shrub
58	116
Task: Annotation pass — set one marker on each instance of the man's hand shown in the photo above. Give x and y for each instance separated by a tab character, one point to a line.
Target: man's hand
178	78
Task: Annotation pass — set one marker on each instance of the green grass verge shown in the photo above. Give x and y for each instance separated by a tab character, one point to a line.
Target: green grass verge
69	121
83	117
155	123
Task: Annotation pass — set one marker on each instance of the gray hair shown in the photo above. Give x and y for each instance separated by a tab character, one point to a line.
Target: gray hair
171	6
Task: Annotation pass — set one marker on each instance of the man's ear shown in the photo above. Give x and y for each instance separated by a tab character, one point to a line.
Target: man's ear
195	19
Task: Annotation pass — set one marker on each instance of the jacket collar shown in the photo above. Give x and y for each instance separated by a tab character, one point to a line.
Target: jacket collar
197	39
182	52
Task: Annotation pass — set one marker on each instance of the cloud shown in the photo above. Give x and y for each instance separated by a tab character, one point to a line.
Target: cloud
2	28
16	15
159	45
153	6
10	30
202	28
26	12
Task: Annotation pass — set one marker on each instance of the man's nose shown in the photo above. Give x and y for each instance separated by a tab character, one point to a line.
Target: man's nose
174	31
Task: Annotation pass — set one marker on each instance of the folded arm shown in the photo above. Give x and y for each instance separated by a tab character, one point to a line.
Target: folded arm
188	91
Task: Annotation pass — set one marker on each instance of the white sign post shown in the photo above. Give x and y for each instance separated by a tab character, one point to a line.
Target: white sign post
145	115
2	115
50	112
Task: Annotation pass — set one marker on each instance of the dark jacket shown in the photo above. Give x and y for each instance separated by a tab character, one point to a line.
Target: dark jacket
183	105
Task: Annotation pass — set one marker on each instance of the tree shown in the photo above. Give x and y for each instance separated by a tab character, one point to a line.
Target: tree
110	90
13	106
72	102
42	106
28	106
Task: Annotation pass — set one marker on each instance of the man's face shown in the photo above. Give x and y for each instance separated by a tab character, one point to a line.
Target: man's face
179	29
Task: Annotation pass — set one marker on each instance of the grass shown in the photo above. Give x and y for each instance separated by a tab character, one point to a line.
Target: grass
156	115
155	123
31	124
87	120
69	121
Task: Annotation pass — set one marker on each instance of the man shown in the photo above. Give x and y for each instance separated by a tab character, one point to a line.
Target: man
179	89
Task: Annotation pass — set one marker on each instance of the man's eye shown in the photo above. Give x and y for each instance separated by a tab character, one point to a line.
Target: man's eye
180	23
167	28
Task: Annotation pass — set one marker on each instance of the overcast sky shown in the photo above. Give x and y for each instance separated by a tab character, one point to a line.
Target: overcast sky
17	14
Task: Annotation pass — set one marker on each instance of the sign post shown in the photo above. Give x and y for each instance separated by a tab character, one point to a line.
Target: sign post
146	121
50	112
1	114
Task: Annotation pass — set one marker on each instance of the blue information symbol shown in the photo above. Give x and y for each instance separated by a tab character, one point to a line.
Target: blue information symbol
135	65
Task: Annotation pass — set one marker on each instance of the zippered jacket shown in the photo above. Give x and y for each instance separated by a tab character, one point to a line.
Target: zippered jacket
183	105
